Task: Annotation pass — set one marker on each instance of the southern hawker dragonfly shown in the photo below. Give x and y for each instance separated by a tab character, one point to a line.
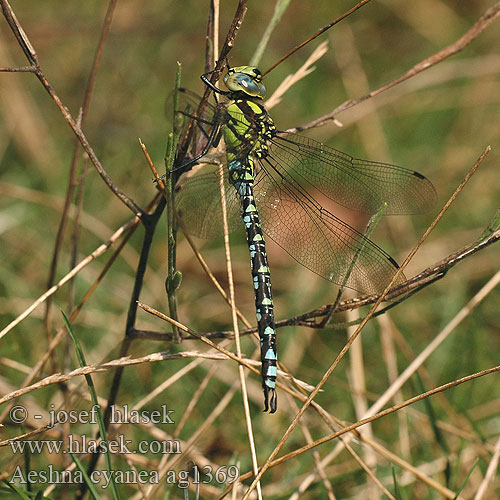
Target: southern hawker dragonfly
270	178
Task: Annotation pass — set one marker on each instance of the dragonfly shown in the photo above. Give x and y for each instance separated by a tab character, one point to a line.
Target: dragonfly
271	180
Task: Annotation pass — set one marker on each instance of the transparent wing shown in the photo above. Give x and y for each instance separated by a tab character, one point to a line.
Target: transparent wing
198	203
291	217
189	102
356	184
195	124
361	185
316	238
197	198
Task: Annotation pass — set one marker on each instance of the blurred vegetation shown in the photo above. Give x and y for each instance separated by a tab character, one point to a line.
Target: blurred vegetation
437	123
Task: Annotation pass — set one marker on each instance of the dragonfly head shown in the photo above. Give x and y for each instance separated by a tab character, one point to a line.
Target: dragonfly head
246	79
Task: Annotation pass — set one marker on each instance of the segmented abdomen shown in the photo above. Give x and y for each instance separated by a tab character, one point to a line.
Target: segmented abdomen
246	133
241	178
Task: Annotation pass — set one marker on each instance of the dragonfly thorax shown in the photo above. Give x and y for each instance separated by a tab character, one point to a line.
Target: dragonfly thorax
245	79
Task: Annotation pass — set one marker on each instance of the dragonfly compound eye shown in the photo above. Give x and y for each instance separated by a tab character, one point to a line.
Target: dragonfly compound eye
247	83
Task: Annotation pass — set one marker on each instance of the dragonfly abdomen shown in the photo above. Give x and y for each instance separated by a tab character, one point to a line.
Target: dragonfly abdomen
247	130
241	176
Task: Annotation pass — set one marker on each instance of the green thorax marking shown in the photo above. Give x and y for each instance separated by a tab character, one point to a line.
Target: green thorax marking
248	128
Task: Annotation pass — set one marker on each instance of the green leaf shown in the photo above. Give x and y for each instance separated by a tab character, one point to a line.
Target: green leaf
88	482
95	402
466	479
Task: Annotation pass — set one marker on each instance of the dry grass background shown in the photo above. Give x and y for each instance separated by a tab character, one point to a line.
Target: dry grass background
437	122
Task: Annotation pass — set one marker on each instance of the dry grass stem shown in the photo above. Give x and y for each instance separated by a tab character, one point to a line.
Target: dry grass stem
85	262
489	16
301	73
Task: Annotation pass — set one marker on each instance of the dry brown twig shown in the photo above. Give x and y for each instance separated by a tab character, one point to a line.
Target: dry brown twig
301	73
482	23
32	57
73	182
317	34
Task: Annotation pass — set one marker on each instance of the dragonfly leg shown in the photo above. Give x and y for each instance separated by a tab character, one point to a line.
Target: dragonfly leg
198	120
211	86
212	140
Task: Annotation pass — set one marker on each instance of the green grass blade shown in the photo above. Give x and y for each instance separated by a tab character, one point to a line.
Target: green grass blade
436	430
397	492
456	469
466	480
88	482
279	9
19	491
173	278
95	402
372	224
27	464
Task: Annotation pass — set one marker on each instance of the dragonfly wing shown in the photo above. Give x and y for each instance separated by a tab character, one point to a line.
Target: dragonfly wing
188	101
319	240
198	203
195	123
357	184
197	197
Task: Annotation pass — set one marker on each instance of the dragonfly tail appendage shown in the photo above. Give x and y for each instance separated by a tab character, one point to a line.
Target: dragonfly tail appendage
270	400
268	349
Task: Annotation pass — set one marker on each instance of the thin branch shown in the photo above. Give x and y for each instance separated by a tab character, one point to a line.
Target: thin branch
279	9
26	436
58	378
72	181
19	33
318	33
414	284
30	53
233	30
489	16
150	222
21	69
